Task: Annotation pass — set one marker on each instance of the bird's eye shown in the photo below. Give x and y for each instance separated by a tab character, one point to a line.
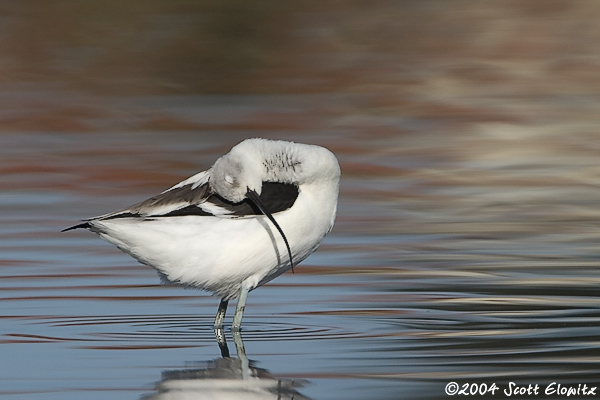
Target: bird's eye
229	179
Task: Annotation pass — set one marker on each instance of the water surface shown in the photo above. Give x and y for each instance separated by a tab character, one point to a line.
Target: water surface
445	265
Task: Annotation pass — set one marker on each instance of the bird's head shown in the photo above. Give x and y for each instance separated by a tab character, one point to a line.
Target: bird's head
233	175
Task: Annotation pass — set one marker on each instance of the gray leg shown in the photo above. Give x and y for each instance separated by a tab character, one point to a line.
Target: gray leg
220	318
241	352
239	310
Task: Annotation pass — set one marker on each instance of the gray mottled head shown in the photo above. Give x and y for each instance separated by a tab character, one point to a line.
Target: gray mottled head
234	174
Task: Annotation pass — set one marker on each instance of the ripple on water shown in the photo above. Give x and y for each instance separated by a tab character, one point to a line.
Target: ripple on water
182	330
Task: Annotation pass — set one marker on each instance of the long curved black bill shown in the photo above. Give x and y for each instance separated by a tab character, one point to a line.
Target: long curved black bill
253	196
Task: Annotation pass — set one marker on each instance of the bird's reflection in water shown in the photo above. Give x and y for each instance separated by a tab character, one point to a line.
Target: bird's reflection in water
225	378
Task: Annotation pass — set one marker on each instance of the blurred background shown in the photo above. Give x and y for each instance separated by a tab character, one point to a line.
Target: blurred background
456	62
467	233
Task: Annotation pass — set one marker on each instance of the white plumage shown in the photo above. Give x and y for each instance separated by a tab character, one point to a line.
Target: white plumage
224	230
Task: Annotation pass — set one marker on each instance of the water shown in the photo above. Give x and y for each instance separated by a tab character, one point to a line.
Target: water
466	244
456	257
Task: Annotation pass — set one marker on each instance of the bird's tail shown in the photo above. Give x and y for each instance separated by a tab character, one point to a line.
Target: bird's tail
84	225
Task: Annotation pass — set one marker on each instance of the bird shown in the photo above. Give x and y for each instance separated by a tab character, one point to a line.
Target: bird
258	211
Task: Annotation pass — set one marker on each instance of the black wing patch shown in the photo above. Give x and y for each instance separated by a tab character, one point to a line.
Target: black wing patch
275	196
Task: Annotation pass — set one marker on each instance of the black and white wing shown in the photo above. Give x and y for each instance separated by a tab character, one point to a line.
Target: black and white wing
190	192
194	196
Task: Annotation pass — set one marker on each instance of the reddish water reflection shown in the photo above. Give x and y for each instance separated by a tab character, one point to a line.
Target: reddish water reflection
465	247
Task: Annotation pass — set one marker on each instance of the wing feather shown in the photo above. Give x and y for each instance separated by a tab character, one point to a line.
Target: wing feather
193	196
189	192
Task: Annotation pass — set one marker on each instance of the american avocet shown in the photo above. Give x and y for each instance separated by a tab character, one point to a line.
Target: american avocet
212	230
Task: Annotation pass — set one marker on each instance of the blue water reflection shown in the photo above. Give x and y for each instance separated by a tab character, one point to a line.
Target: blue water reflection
432	275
